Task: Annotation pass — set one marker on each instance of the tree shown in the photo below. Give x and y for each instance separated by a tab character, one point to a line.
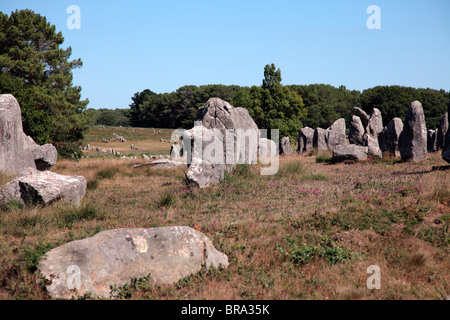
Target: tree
38	73
394	101
274	106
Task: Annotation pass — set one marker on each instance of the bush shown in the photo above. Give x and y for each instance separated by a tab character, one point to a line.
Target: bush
107	173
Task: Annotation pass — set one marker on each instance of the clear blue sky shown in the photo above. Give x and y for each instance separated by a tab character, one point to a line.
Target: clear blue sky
129	46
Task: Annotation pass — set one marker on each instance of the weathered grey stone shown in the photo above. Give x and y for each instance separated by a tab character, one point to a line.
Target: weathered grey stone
357	131
285	146
446	149
363	116
320	140
432	140
413	139
175	151
373	146
305	139
442	131
225	136
206	160
44	156
267	148
375	123
44	187
388	138
17	150
115	257
336	134
350	152
240	133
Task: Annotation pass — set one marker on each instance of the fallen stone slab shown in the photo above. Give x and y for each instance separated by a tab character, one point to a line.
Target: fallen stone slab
350	152
43	187
162	163
114	257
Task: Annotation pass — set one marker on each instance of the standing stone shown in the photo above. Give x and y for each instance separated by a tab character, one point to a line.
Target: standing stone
388	138
336	134
363	116
43	187
206	160
240	133
285	146
375	123
267	148
356	133
305	139
373	146
432	140
442	131
320	140
446	149
17	150
115	257
413	139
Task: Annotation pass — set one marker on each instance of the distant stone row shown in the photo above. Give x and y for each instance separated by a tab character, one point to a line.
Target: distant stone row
367	137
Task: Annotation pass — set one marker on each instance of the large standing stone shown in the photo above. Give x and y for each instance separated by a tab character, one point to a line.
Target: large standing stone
388	138
375	123
285	146
223	137
206	158
357	131
267	148
350	152
373	146
442	131
320	140
17	150
363	116
413	139
446	149
432	140
43	187
305	139
336	134
115	257
236	126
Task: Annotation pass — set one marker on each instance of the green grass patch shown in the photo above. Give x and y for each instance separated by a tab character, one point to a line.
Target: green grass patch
67	216
328	249
107	173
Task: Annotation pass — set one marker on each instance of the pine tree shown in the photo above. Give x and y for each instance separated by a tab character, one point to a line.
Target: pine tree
38	72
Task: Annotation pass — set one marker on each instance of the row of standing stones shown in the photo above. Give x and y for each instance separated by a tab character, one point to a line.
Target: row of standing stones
108	260
171	253
409	140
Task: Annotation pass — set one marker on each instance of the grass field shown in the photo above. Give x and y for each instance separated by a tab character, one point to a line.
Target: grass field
309	232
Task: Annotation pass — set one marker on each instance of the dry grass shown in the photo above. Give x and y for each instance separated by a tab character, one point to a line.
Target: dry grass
309	232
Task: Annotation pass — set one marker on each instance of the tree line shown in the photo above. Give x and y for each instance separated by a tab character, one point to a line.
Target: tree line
287	108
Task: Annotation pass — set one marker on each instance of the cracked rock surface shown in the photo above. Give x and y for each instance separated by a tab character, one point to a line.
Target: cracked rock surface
114	257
